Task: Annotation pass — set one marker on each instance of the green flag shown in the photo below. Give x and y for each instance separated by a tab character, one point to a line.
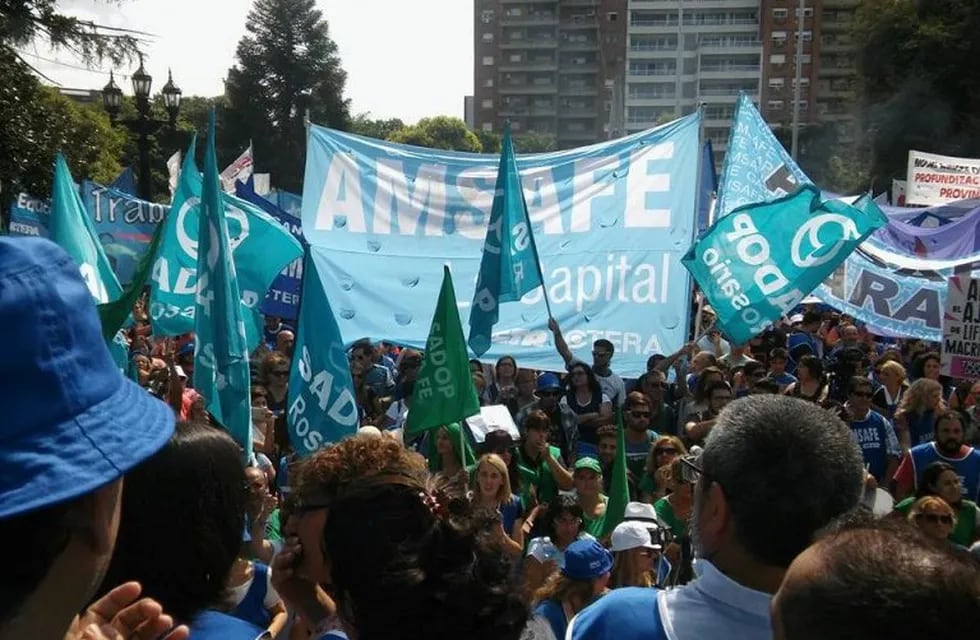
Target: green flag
619	490
444	390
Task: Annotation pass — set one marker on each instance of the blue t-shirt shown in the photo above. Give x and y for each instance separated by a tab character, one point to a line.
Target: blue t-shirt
877	439
554	613
510	511
214	625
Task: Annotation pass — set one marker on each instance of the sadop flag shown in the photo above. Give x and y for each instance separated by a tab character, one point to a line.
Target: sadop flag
758	262
619	490
261	249
444	390
221	352
510	266
322	405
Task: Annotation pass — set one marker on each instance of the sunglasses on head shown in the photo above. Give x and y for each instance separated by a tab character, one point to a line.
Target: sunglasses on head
935	518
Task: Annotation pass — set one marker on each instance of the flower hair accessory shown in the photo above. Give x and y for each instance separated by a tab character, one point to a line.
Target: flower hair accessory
431	500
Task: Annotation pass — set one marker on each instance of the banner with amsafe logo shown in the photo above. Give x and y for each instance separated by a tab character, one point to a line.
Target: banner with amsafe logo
757	263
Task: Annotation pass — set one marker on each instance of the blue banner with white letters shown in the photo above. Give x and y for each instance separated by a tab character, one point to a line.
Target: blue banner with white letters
895	290
282	299
611	222
123	223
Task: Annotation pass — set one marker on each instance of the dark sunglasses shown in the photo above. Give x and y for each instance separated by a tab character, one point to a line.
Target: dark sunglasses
280	373
549	394
934	518
657	385
641	414
301	506
660	451
601	354
862	394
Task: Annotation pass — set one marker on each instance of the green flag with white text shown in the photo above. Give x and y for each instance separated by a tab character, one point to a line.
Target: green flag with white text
444	390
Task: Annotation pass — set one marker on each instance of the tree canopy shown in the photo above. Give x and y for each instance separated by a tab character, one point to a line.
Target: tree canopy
920	89
439	132
287	66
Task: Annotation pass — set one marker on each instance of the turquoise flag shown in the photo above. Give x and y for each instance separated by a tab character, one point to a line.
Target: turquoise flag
322	405
72	229
221	350
261	247
510	266
757	263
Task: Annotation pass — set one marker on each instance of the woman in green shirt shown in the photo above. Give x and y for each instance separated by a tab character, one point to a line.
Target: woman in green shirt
674	510
940	479
588	491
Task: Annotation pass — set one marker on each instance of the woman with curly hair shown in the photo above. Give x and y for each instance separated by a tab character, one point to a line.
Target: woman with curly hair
405	558
916	413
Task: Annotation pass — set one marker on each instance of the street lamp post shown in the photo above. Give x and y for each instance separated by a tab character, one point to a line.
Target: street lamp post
144	125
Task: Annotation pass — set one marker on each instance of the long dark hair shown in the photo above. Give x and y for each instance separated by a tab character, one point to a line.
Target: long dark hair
594	385
562	505
930	475
408	556
182	518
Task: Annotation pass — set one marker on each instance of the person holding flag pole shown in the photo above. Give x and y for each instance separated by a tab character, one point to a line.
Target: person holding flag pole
510	266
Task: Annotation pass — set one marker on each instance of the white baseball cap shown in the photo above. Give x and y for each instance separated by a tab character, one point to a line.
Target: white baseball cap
632	535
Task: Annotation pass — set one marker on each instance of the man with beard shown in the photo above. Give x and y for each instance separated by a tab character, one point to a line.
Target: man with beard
772	473
947	446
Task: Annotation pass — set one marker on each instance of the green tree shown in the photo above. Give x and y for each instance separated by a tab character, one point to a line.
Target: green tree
287	65
489	140
23	22
533	142
363	124
919	86
439	132
36	122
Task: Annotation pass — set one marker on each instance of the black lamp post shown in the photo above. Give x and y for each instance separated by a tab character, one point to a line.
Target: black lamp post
145	124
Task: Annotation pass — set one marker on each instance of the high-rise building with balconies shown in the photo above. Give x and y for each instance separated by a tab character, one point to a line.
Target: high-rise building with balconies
682	53
828	72
553	67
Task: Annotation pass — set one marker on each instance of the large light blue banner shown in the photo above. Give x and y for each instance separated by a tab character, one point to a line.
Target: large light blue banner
891	289
611	222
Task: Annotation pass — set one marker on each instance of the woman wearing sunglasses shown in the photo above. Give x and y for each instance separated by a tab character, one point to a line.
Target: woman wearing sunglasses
933	516
653	484
940	480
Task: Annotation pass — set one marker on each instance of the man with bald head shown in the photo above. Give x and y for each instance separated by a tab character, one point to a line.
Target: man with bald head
285	340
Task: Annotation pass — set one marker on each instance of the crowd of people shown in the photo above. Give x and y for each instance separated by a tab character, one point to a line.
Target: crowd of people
818	468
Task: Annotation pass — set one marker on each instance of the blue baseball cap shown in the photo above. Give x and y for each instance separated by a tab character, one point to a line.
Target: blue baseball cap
586	560
73	422
548	382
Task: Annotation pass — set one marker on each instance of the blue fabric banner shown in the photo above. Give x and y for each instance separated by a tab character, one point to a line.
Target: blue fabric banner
611	222
282	299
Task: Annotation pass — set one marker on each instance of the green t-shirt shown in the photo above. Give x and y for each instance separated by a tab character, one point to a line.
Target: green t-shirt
272	529
666	514
966	520
595	527
538	476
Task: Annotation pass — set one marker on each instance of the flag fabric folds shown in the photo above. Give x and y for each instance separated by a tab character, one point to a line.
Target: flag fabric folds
619	491
510	266
444	390
322	406
758	262
221	352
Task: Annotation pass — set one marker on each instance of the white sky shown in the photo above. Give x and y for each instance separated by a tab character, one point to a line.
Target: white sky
404	58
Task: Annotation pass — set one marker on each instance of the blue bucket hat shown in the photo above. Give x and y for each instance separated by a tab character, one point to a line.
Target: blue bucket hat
72	422
586	560
548	382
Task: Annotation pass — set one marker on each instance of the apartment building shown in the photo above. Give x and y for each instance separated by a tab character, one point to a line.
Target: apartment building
682	53
554	67
828	72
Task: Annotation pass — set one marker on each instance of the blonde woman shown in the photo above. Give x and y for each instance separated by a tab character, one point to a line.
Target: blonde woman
492	494
894	383
653	484
933	516
634	555
916	414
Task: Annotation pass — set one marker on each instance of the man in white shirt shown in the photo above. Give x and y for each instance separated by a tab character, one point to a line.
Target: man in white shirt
773	472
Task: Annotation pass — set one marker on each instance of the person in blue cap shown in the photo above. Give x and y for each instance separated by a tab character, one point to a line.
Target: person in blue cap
563	424
583	578
73	426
